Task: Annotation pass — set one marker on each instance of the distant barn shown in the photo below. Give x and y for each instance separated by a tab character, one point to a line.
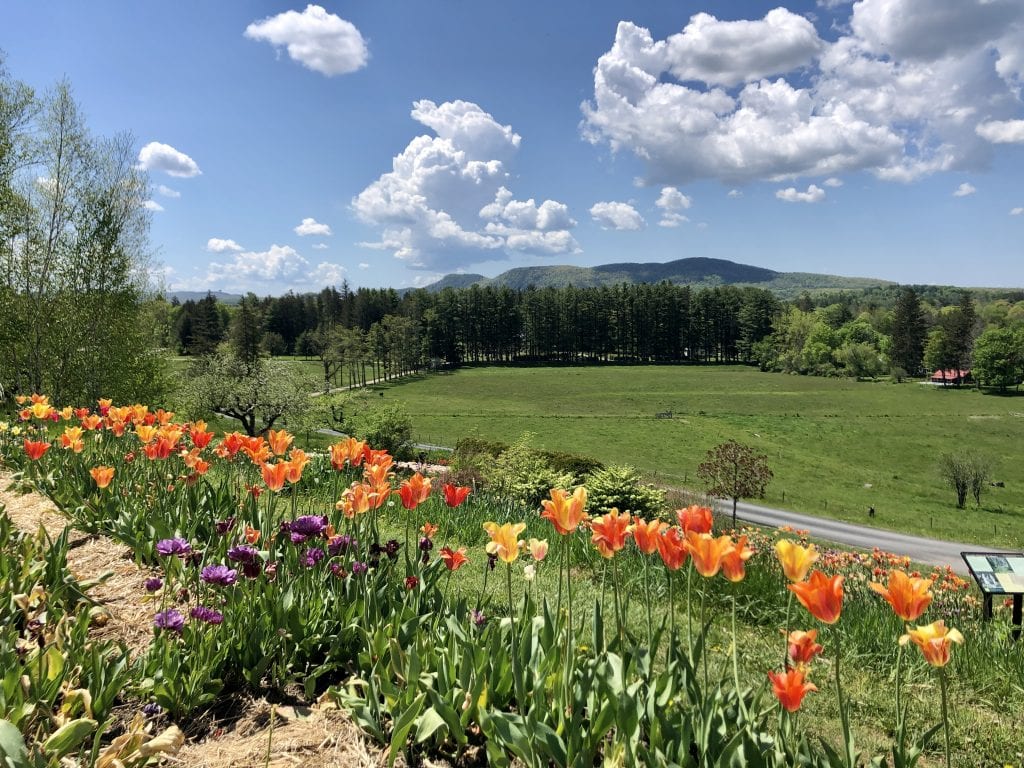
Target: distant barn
955	376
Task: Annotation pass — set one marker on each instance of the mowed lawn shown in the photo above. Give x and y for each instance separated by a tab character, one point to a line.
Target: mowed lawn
836	446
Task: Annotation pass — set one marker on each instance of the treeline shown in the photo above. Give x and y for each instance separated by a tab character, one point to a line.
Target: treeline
642	323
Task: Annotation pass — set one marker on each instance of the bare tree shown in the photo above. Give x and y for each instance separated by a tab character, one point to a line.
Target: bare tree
966	471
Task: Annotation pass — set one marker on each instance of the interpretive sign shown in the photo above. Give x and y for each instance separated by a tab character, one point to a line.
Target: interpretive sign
999	573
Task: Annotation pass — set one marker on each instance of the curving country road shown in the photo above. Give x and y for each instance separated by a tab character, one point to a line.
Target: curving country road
918	548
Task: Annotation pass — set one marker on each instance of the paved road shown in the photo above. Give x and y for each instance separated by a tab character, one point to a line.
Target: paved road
922	550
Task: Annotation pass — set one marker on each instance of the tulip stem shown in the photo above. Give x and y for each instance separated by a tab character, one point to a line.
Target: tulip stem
517	672
650	621
735	661
899	709
704	635
671	608
785	632
569	627
945	711
689	610
843	714
618	614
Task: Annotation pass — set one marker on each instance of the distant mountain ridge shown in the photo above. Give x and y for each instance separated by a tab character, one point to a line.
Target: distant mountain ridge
695	271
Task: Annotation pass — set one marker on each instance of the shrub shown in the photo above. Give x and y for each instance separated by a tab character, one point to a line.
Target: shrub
525	474
621	487
385	426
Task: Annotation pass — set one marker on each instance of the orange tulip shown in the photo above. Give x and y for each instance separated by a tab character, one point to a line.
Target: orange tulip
256	449
171	433
72	439
646	534
297	461
414	491
252	535
377	474
565	512
504	540
231	443
163	416
360	498
790	688
609	532
707	551
454	559
454	495
36	449
145	433
796	560
200	437
821	595
695	518
908	596
428	529
672	548
92	421
279	441
159	449
102	475
41	410
274	475
734	561
934	641
348	451
803	646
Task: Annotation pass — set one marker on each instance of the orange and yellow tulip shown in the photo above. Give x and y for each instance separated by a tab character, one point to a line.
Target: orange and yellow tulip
274	475
348	451
909	596
565	512
796	560
538	549
821	595
734	560
790	687
609	532
504	540
72	439
414	491
102	476
297	461
647	534
707	552
279	441
695	518
428	529
934	640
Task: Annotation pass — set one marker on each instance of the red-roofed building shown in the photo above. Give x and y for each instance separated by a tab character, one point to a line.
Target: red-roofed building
956	376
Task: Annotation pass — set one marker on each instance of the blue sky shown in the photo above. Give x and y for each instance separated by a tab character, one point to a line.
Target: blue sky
389	142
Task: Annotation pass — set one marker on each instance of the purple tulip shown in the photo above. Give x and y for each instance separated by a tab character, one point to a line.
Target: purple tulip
306	527
154	583
175	547
208	615
242	554
313	556
359	568
170	620
220	575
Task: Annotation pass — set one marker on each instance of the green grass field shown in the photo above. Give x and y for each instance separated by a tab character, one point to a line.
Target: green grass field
836	446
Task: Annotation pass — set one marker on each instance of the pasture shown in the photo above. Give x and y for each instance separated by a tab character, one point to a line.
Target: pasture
836	446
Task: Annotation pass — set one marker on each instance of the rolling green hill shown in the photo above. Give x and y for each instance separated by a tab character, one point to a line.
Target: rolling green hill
702	272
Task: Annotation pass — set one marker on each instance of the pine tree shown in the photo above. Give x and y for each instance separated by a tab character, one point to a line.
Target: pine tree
908	332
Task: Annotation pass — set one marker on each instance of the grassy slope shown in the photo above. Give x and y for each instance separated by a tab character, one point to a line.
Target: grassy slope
826	439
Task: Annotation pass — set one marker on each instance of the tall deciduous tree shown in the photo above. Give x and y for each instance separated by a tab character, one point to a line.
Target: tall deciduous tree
73	253
999	358
735	471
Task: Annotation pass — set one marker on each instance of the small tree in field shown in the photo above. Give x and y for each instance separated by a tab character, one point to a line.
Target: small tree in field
965	472
735	471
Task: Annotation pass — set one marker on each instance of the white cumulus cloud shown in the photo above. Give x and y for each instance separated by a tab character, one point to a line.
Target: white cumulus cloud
444	203
671	201
219	245
833	182
1002	131
163	157
616	215
320	247
278	269
152	205
167	191
310	226
814	194
320	41
907	88
964	190
1018	211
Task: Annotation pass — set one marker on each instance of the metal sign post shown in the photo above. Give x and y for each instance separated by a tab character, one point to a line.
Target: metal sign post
999	573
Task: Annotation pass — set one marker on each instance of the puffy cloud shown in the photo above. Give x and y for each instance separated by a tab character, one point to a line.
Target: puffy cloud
1017	211
217	245
167	191
277	269
320	247
730	52
833	182
964	190
735	193
318	40
364	265
1002	131
614	215
671	201
152	205
310	226
814	194
897	93
931	29
444	204
163	157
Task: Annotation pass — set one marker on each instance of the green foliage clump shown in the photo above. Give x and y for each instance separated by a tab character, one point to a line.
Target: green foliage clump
525	474
621	486
384	426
